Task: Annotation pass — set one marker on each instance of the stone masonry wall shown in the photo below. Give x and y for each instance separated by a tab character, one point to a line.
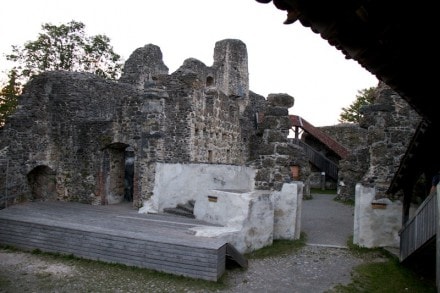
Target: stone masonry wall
70	122
391	123
354	166
376	145
275	154
72	132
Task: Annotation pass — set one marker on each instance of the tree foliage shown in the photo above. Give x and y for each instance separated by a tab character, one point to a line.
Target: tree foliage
9	97
352	113
66	47
63	47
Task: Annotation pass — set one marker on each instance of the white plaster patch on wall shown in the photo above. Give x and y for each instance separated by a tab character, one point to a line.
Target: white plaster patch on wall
179	183
375	227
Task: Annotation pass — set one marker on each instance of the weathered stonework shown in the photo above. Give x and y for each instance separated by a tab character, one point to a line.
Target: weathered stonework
376	145
74	133
354	166
391	123
274	151
144	64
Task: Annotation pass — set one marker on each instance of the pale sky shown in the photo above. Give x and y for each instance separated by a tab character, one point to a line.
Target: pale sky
282	58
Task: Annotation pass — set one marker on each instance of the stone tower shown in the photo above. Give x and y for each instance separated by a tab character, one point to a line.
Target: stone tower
231	66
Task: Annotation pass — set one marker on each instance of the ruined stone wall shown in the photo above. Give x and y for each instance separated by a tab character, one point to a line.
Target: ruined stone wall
391	124
203	122
72	123
75	128
143	67
377	144
353	167
275	154
204	104
350	135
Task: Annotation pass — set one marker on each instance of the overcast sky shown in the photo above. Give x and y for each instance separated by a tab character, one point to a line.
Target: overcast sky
282	58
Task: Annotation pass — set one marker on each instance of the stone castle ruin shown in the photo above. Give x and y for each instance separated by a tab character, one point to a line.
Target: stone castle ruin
199	136
152	138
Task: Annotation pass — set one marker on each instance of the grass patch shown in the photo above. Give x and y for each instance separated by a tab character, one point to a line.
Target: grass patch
385	277
360	251
279	248
9	248
383	273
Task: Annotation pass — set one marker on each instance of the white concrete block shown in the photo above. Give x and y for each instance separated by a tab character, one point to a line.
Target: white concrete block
287	211
247	216
376	227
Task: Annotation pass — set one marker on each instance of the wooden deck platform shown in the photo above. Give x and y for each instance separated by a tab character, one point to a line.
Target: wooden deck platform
116	234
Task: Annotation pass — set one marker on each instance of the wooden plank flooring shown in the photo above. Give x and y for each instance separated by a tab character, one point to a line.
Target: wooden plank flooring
117	234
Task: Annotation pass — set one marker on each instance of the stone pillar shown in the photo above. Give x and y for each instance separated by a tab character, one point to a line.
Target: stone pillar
287	205
275	152
231	65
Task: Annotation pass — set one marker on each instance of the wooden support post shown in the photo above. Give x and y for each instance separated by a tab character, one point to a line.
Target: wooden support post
437	257
407	193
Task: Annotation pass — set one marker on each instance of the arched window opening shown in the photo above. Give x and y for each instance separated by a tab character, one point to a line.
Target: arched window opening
42	182
209	81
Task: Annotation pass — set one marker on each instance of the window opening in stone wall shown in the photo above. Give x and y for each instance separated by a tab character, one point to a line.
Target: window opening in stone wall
209	81
295	172
210	158
228	156
42	182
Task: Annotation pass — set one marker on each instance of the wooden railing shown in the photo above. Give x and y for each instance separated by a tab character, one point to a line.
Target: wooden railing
420	229
319	160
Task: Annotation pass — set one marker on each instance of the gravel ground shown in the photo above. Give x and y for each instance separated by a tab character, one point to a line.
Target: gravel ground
317	267
312	269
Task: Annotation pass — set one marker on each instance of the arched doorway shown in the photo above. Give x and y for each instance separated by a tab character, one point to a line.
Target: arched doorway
42	182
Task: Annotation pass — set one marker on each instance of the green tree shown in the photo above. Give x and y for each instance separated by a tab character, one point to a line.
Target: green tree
66	47
9	97
63	47
351	114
